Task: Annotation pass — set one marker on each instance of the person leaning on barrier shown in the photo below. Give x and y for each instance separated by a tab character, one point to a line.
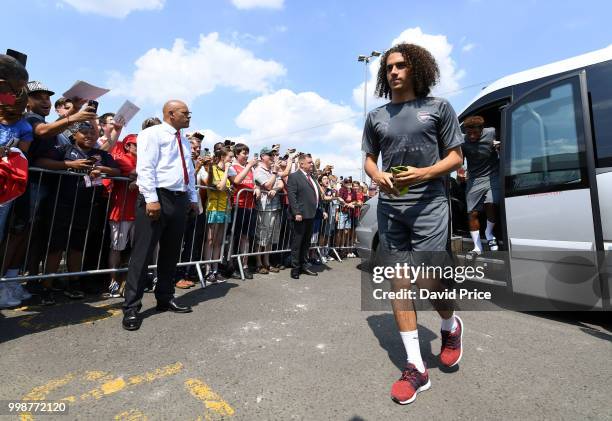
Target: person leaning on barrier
242	178
217	210
268	207
15	131
304	195
166	181
78	199
122	210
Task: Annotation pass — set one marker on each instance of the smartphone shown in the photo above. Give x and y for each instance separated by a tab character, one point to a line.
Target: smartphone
256	156
93	104
20	57
396	170
206	152
292	150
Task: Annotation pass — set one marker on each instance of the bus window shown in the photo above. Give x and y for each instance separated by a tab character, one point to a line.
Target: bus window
546	143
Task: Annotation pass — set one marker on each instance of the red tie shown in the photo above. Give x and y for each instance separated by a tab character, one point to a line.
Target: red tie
180	146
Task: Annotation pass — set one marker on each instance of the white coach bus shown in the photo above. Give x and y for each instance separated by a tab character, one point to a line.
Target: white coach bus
555	125
555	216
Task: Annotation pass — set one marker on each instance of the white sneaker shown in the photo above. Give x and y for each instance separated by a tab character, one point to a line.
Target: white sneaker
19	292
6	298
323	260
330	259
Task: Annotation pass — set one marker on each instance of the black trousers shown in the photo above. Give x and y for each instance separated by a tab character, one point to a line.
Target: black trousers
300	243
168	232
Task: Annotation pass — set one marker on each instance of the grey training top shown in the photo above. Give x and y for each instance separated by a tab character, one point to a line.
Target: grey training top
414	133
482	158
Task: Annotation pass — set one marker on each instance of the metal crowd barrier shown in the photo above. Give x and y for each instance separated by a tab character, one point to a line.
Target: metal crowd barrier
249	228
46	212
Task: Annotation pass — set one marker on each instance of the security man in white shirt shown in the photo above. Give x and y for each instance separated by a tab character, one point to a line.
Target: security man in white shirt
166	182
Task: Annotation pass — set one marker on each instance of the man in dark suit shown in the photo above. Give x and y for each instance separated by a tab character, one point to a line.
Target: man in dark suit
304	194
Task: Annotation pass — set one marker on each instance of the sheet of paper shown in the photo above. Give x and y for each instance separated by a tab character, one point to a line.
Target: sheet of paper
84	90
125	113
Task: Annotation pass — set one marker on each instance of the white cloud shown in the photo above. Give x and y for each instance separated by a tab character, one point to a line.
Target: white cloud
307	122
114	8
252	4
187	73
438	46
468	47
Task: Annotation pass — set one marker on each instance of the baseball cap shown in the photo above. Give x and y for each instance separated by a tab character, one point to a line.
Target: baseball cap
36	86
265	151
131	138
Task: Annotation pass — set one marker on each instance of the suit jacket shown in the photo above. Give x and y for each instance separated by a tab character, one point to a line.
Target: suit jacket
302	196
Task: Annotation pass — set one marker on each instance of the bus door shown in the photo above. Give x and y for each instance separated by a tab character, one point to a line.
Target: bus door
551	207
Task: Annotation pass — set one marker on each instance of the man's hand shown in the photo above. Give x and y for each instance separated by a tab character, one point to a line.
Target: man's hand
412	176
83	115
95	173
385	182
132	186
257	193
79	164
298	218
193	209
325	215
153	210
252	162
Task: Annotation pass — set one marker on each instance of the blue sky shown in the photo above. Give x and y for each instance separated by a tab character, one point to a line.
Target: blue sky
267	71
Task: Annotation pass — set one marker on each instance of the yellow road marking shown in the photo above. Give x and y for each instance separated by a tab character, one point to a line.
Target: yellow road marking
115	385
131	415
211	400
40	393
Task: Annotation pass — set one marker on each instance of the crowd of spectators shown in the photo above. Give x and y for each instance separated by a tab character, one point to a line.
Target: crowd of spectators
78	208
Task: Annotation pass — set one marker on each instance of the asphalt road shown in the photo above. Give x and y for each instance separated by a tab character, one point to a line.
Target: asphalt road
273	349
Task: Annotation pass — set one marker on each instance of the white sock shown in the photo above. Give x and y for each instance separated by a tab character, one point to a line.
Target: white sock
413	349
476	238
450	324
489	230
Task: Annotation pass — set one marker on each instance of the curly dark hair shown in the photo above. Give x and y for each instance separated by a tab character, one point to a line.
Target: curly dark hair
424	70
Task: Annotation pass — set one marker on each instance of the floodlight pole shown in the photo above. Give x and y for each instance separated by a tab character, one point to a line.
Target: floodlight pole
366	60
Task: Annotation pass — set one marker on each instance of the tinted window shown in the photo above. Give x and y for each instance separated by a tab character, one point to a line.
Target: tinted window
599	81
547	150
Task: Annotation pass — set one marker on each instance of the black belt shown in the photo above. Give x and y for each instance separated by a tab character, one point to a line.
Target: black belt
173	192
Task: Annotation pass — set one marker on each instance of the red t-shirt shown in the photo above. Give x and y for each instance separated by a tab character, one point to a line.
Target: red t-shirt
358	196
123	208
246	199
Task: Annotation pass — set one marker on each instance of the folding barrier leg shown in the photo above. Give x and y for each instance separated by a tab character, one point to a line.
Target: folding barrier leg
240	267
200	275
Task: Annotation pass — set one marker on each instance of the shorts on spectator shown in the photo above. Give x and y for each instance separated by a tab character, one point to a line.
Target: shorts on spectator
246	219
121	232
268	227
344	222
217	217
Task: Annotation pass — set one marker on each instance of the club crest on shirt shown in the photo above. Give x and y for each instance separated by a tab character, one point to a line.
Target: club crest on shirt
423	116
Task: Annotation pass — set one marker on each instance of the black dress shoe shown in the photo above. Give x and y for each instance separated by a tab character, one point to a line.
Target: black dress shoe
295	274
131	320
173	306
248	274
308	272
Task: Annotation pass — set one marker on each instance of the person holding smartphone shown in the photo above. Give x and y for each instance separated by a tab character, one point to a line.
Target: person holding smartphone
422	133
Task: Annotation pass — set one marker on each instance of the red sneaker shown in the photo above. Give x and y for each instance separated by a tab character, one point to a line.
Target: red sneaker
452	350
412	382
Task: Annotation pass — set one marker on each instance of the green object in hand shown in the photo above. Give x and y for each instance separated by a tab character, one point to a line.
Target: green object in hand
397	170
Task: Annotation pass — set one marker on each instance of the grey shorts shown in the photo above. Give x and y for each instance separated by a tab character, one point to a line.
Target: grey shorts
413	233
482	190
268	227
